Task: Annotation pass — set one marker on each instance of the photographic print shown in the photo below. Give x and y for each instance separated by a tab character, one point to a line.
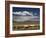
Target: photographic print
24	18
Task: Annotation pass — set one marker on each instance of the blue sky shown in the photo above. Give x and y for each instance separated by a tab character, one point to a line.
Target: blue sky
33	10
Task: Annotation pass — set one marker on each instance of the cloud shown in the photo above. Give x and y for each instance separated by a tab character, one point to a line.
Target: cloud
23	13
17	12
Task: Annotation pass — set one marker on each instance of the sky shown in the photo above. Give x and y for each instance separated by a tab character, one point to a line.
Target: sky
33	10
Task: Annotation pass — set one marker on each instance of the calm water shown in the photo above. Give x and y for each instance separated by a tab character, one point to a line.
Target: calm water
25	18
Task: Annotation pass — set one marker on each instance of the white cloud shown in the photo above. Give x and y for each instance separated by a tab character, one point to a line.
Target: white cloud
17	12
35	13
26	12
23	13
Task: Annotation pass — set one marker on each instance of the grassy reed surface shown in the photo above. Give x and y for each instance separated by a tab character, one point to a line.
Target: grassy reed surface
28	25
